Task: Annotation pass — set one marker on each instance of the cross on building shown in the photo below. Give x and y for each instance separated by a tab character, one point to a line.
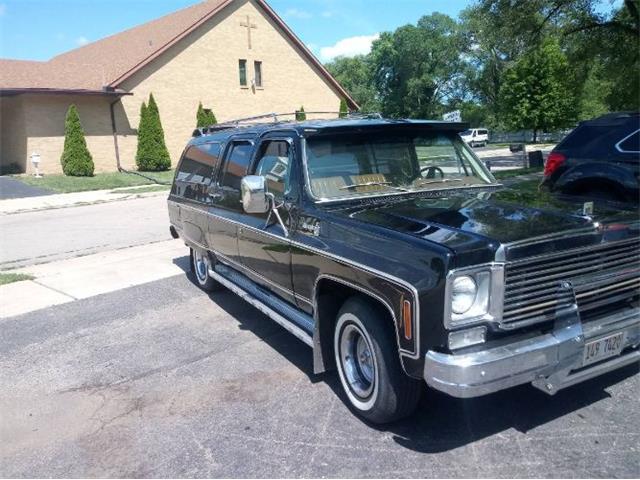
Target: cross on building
248	26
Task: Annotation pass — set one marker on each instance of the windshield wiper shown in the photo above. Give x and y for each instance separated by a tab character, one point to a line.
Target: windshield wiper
370	184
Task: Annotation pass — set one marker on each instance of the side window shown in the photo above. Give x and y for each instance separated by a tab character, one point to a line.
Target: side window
242	72
630	144
237	164
196	172
274	163
257	67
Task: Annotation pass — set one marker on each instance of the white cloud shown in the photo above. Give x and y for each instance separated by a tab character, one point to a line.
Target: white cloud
312	46
3	9
297	13
349	47
81	41
327	14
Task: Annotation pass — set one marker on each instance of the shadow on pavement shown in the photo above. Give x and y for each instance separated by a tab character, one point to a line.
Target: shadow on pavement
441	422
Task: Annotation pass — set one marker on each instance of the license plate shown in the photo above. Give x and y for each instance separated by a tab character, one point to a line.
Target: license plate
604	348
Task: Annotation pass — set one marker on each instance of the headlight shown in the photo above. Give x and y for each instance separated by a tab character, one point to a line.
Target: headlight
463	294
474	295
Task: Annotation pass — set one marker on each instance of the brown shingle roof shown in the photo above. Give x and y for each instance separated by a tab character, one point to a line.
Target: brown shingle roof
108	62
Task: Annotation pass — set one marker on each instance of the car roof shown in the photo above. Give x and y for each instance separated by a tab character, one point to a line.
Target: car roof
310	128
613	119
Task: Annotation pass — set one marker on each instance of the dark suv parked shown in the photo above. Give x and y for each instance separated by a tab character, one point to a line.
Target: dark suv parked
599	159
389	249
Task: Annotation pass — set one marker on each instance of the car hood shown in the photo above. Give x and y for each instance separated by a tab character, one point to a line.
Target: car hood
475	225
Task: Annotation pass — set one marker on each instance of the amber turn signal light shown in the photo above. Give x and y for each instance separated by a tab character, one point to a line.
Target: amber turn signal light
406	319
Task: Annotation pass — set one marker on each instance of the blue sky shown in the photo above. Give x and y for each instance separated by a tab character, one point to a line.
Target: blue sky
41	29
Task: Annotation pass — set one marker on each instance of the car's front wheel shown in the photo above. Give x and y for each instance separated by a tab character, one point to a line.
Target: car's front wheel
200	265
368	364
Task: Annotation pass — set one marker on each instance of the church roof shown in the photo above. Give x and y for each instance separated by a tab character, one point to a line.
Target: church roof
103	65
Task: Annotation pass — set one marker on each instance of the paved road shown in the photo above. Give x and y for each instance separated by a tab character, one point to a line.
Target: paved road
502	158
161	380
10	188
44	236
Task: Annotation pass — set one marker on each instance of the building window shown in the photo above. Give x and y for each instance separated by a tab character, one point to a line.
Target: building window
242	69
257	67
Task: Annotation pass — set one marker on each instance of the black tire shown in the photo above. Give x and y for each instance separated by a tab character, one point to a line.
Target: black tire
200	263
377	388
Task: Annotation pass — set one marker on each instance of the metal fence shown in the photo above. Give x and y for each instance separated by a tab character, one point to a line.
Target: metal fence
525	136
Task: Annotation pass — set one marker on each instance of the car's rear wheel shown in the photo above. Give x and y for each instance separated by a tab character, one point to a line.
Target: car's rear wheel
200	264
368	364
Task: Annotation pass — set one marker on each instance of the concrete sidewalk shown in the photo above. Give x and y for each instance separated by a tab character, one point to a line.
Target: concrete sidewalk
62	200
82	277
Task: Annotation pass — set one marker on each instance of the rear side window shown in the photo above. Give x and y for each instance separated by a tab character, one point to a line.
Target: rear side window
630	144
196	172
237	164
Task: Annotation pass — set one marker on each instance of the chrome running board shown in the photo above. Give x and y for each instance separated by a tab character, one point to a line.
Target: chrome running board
285	315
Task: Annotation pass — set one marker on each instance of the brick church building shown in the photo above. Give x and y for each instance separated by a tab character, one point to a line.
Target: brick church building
237	57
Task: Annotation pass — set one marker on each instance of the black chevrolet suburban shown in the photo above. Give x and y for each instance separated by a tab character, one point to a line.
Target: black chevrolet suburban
388	248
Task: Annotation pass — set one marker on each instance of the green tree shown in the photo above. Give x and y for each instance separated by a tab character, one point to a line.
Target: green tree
417	68
536	93
343	110
76	159
602	45
152	153
300	115
205	117
355	75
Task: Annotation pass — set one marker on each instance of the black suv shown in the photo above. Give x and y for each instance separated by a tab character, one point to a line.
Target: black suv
599	159
388	248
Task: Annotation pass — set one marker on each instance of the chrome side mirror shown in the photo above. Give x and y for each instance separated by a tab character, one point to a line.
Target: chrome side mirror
254	194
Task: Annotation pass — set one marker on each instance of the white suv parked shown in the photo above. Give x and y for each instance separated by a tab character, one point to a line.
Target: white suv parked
476	137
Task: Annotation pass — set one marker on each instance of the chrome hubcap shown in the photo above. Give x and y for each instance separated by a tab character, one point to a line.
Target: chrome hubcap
201	266
357	361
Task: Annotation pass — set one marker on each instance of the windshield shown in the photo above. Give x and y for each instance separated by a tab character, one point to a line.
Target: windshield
363	164
466	133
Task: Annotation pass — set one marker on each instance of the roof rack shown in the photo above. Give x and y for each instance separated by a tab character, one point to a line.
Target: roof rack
274	118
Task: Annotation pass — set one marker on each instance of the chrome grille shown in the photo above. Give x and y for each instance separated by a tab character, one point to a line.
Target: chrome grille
599	275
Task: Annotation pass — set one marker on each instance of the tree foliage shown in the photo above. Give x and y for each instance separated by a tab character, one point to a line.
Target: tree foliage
152	154
343	109
76	159
300	115
536	93
441	64
205	117
355	75
417	67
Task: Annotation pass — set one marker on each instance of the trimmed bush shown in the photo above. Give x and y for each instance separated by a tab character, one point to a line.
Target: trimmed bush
300	115
152	154
205	117
344	109
76	160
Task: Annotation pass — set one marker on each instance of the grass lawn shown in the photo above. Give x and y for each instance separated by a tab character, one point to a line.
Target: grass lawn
100	181
500	174
13	277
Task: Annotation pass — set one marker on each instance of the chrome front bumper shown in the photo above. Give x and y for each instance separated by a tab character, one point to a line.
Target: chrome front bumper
550	362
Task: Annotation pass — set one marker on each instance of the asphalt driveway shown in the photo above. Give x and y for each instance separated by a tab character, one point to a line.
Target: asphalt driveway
11	188
162	380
